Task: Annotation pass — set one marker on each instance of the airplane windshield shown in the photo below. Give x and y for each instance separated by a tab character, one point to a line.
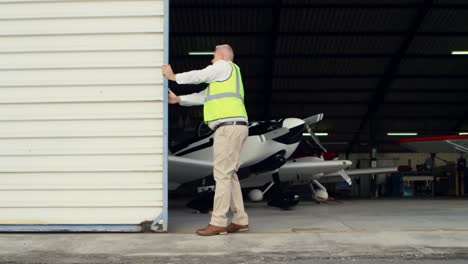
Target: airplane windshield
262	127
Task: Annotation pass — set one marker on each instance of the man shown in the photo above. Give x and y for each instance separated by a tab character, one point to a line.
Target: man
224	112
429	162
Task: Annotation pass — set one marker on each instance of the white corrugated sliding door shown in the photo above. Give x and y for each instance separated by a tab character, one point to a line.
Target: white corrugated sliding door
82	126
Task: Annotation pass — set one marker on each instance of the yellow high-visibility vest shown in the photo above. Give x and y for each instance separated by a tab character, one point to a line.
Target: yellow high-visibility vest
225	99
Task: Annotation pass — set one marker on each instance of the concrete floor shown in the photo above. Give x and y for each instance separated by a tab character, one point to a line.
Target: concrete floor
359	231
344	216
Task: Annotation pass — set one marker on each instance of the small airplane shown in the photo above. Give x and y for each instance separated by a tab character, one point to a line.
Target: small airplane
269	145
267	148
312	170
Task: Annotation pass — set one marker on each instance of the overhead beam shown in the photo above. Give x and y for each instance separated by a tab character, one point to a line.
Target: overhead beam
385	82
270	52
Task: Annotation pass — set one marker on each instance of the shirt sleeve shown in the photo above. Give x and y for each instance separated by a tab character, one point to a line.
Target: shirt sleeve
193	99
219	71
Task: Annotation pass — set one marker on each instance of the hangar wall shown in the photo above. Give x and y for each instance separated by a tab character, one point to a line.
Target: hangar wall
390	160
82	112
401	159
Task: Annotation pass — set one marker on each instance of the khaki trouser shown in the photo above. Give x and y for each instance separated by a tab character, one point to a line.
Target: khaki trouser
228	142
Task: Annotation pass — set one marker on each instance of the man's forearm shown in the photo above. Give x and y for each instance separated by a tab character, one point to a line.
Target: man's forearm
191	77
192	99
219	71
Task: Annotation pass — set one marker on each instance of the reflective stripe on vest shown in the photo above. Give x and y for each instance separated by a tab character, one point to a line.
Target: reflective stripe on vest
237	94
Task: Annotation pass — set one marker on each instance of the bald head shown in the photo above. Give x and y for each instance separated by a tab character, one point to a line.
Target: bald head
223	52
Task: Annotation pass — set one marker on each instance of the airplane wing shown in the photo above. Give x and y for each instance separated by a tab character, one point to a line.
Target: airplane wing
315	167
437	144
323	171
353	173
184	170
293	168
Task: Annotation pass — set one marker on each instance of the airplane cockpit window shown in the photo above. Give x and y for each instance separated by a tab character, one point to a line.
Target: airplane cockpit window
182	140
262	127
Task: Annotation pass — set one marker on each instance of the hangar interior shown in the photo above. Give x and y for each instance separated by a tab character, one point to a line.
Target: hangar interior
371	67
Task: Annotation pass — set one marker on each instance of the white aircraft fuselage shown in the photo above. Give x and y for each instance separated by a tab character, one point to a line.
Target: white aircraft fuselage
268	146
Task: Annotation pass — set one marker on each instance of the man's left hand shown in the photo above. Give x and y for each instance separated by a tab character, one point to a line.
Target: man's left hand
168	72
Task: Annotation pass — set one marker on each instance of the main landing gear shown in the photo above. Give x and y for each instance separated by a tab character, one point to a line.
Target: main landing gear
279	198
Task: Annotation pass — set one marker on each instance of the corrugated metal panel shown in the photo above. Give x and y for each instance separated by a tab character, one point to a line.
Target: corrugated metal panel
445	20
421	109
325	83
242	45
330	110
440	96
337	44
356	2
434	66
437	45
421	126
321	97
81	113
220	19
249	66
330	66
430	84
345	19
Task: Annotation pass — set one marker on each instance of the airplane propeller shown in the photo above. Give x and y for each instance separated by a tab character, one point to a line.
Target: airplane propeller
315	138
313	119
276	133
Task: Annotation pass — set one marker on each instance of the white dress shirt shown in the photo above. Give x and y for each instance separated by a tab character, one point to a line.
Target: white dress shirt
217	72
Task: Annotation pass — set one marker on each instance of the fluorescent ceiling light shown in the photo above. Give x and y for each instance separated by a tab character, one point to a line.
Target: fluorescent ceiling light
201	53
460	52
463	133
321	134
402	134
317	134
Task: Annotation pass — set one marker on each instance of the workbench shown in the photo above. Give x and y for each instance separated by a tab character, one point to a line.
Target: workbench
428	179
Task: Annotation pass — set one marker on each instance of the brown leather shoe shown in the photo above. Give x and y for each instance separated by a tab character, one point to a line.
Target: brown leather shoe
212	230
233	228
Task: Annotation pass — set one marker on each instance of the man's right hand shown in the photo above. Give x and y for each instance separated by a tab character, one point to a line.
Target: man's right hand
168	72
173	98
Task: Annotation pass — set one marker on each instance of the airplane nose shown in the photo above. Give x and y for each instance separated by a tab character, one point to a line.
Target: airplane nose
295	127
347	163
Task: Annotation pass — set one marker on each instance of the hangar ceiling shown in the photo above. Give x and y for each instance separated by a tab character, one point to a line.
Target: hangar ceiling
371	66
